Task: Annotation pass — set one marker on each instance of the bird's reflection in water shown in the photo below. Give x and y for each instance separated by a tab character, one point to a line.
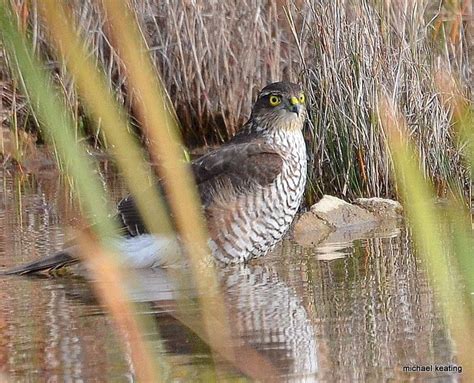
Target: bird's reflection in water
270	316
265	313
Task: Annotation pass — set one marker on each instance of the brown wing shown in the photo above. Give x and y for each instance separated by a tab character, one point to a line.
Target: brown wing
237	168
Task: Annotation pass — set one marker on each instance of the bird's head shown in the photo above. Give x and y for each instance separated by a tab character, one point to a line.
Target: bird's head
280	105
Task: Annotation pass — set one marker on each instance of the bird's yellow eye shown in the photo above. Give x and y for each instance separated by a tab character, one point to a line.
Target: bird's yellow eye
275	100
302	98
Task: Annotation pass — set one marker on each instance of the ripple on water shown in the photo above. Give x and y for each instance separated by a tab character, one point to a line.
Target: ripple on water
350	310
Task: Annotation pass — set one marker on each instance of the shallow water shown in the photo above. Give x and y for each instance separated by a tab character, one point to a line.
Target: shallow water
343	312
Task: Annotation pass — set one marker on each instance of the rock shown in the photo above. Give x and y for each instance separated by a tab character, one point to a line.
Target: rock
310	230
334	224
332	219
383	208
338	213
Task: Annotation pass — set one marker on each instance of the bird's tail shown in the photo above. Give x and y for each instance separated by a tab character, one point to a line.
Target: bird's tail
63	258
138	252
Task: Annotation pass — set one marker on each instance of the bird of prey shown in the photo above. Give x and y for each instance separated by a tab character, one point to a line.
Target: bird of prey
250	189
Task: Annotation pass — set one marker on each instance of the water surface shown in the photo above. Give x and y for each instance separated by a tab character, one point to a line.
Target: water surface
345	312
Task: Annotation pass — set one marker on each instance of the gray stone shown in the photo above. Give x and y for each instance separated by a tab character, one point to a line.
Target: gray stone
383	208
310	230
338	213
333	223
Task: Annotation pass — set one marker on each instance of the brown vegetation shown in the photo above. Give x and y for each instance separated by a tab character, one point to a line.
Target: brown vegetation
214	56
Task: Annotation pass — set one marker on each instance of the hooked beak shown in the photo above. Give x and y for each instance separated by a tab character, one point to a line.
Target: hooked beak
295	106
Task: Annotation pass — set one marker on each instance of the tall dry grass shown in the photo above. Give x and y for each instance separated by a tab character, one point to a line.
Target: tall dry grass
359	48
214	56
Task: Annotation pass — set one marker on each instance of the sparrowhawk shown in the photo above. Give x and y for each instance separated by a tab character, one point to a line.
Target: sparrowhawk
250	188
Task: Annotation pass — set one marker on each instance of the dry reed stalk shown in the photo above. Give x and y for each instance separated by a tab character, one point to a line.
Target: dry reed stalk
160	128
109	281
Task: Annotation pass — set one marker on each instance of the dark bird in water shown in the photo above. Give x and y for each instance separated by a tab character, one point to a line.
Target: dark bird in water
250	189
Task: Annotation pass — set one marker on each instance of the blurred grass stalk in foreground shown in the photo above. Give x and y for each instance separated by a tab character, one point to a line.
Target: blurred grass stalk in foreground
444	239
104	108
160	127
57	123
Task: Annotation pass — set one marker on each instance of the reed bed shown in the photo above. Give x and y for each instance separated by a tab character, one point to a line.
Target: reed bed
214	56
359	48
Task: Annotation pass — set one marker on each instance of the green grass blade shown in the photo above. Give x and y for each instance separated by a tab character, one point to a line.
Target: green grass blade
105	109
58	124
429	233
